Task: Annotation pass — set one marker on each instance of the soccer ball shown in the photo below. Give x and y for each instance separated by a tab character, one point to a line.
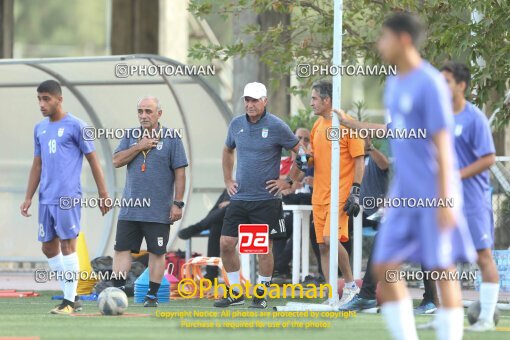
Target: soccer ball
473	313
112	301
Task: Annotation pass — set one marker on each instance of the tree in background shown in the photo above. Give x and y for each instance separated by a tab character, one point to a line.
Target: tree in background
59	28
452	34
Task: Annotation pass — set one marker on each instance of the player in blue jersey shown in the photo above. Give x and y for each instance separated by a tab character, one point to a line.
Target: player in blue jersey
424	168
475	151
56	169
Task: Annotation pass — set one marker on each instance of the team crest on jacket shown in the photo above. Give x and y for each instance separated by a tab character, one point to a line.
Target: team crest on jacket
265	132
458	130
159	146
60	132
406	103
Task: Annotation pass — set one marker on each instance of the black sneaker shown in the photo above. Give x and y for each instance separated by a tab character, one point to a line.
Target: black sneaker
65	308
210	277
78	304
150	301
260	303
281	278
312	280
309	279
189	232
229	301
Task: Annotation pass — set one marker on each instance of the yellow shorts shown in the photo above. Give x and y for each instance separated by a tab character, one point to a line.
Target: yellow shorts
321	222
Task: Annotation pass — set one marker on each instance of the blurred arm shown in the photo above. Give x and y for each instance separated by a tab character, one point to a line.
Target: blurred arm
34	177
380	159
478	166
97	172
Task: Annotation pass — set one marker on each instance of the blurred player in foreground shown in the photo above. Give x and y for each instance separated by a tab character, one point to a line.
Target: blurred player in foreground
59	149
156	166
255	193
352	151
475	152
417	98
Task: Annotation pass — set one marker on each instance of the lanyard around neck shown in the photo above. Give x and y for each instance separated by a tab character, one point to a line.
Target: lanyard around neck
145	153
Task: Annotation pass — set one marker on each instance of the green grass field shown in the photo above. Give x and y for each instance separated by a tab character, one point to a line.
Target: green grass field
29	317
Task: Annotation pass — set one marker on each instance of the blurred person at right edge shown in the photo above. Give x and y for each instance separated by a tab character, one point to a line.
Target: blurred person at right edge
425	168
476	154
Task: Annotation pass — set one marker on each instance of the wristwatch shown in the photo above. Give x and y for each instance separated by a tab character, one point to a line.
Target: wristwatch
179	204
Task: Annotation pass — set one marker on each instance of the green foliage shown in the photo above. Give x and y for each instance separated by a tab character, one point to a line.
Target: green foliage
303	119
502	231
308	39
505	207
60	28
359	106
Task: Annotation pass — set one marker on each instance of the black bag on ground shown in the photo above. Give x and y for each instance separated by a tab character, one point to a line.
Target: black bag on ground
104	264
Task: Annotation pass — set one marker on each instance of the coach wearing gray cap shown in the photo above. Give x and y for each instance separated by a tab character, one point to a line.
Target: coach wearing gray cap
258	136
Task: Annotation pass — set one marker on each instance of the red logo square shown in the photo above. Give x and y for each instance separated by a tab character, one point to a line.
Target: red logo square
253	238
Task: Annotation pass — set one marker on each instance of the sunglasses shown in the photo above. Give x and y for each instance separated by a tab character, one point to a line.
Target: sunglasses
306	139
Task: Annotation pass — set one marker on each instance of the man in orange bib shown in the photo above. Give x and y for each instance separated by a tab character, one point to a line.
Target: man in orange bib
351	172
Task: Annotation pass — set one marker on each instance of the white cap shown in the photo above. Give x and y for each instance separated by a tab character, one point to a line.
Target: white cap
255	90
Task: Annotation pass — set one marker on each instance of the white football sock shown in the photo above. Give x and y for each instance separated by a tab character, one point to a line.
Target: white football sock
399	318
488	299
263	279
71	265
57	265
351	285
449	323
234	278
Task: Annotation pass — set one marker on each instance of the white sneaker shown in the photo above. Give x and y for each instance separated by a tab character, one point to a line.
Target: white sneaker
481	326
348	294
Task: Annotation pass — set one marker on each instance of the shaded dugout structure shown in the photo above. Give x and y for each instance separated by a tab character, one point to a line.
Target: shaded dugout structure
93	92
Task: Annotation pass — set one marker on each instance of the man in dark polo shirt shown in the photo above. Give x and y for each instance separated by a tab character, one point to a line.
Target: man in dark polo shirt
156	162
259	137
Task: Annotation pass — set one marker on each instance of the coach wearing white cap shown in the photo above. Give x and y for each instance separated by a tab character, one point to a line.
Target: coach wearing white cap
258	137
